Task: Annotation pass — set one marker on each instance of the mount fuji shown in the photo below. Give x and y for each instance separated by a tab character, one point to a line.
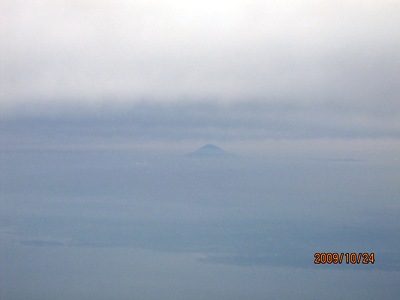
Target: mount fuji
209	150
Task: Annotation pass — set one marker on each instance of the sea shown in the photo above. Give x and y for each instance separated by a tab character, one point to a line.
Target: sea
96	223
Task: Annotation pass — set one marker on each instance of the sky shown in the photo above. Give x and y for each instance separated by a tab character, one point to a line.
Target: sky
58	52
219	71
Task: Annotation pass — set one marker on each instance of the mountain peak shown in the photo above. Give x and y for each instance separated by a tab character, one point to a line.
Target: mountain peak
210	147
209	150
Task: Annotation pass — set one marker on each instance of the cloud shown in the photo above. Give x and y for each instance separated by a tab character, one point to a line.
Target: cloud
129	51
136	72
166	123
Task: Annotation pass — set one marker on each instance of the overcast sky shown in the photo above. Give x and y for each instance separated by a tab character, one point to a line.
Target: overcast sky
224	50
258	69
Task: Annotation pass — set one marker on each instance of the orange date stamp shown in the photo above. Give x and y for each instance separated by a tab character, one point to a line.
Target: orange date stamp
348	258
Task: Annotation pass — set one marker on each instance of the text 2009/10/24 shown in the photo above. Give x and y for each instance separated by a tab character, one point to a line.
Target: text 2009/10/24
348	258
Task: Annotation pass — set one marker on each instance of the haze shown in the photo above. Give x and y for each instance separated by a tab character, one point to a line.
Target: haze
101	101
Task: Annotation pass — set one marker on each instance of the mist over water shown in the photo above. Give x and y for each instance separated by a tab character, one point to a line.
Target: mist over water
118	223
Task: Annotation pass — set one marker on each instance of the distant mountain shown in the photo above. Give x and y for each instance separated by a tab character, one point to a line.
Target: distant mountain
209	150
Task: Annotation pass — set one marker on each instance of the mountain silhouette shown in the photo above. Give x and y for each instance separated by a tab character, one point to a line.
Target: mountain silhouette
209	150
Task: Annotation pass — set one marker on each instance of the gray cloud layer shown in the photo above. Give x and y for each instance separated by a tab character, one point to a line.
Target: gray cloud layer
135	72
202	121
307	51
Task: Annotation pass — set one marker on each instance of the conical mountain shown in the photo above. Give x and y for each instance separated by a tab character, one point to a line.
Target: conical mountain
209	150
